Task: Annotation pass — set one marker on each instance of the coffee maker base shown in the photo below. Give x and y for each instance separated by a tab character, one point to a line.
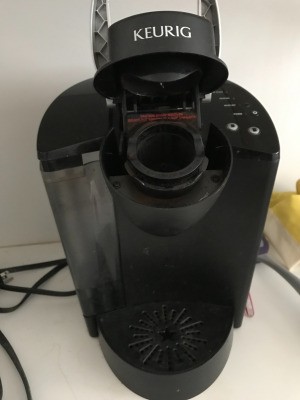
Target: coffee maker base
167	350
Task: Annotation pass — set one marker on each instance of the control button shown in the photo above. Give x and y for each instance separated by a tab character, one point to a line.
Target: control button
232	127
254	130
255	113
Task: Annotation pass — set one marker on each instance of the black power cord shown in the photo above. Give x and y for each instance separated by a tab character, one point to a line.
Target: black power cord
4	275
5	272
10	351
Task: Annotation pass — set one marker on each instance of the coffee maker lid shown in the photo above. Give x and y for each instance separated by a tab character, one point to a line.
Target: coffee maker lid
102	17
161	48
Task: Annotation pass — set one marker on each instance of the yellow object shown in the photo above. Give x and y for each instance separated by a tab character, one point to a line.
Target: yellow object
283	226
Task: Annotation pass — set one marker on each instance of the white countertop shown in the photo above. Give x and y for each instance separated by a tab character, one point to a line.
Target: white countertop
62	362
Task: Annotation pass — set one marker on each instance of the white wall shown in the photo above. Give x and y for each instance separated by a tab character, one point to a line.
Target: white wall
45	48
120	9
261	46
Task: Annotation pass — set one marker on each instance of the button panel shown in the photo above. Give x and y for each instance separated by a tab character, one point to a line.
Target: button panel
241	117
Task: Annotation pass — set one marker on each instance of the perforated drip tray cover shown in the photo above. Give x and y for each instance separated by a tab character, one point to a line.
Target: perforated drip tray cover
167	337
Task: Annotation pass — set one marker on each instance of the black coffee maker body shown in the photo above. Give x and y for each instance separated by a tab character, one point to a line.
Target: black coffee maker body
160	199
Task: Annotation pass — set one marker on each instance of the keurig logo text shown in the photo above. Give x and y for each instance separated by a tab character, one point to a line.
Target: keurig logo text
152	32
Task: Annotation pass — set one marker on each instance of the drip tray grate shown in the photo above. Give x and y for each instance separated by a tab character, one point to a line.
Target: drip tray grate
167	337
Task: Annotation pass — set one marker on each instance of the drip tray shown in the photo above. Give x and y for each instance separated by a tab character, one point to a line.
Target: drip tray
167	350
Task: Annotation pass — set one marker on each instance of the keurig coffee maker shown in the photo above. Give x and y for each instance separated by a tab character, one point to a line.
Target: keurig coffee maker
159	173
